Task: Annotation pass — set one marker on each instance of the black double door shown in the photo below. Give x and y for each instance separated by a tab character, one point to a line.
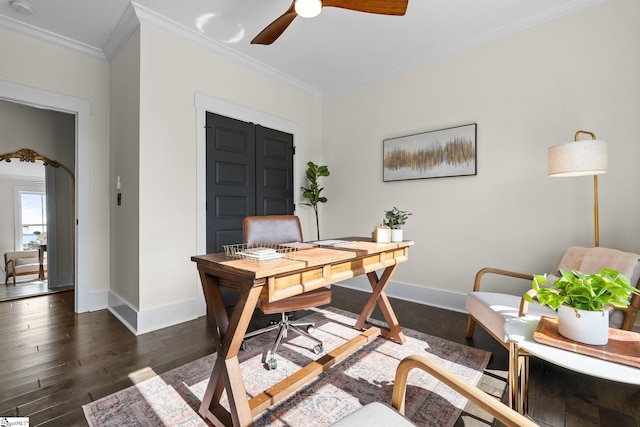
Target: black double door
249	172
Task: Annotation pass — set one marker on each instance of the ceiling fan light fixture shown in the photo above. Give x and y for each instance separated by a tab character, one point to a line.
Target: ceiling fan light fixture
308	8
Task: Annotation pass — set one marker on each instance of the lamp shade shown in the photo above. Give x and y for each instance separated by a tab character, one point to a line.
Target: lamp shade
578	158
308	8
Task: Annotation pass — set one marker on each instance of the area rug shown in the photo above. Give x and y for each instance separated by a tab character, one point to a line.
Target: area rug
173	398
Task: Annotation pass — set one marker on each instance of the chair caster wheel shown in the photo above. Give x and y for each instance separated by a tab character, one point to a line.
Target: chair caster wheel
318	349
273	364
310	329
243	346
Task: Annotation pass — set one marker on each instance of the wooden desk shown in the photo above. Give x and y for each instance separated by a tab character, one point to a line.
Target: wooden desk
274	280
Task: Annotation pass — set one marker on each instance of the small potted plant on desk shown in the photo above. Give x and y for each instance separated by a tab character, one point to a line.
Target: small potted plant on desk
395	219
583	302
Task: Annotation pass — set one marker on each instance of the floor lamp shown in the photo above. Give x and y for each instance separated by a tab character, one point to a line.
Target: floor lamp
580	158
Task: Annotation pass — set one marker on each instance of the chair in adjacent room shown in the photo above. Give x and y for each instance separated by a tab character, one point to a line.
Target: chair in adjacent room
277	229
491	310
381	414
24	263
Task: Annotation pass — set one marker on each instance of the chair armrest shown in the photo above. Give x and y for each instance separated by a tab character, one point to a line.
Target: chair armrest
481	273
11	262
631	313
490	404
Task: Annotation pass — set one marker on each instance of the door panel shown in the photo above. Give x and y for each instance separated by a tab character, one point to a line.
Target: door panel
274	172
230	179
249	172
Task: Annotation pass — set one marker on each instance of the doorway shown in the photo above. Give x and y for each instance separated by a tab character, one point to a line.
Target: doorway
249	172
36	214
81	109
204	104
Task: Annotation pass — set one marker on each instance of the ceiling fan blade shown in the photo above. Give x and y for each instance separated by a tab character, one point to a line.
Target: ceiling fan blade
276	28
382	7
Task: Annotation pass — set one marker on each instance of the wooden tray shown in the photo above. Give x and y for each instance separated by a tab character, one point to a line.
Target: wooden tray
623	346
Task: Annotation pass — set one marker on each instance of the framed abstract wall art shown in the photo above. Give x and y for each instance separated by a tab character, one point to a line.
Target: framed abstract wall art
436	154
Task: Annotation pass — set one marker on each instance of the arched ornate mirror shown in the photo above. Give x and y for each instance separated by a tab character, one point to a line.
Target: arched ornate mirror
38	213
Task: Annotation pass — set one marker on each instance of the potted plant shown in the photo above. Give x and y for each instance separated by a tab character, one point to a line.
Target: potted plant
583	302
395	220
312	193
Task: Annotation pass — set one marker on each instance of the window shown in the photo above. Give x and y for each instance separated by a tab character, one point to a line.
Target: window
31	219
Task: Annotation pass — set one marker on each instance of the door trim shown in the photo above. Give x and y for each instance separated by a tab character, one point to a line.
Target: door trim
204	104
81	108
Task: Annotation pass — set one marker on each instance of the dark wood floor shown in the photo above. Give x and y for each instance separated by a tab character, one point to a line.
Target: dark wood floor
53	361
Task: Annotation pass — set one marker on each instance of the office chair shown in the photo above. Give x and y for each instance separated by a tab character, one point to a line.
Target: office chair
276	229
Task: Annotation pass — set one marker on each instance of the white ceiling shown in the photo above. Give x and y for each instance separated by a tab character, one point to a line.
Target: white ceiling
335	51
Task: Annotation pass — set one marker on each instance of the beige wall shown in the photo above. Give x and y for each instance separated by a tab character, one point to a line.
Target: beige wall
125	159
168	156
526	92
37	64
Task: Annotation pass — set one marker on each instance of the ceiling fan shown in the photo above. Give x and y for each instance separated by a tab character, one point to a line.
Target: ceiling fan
311	8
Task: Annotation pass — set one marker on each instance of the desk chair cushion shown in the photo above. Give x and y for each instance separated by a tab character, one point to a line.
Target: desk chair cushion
374	414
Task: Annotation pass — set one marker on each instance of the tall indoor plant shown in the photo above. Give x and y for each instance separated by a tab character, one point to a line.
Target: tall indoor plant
395	220
581	298
312	193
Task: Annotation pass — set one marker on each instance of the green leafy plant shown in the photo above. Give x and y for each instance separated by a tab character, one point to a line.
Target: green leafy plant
396	218
591	292
312	193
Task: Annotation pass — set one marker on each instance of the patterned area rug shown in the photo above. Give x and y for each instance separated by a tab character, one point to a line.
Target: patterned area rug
173	398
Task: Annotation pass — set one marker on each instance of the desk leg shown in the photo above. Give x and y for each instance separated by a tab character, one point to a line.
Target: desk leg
226	375
379	297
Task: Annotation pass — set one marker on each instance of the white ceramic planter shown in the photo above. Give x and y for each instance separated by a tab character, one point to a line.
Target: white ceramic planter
588	327
396	235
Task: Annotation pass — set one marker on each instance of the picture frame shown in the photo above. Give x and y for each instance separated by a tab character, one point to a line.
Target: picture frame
435	154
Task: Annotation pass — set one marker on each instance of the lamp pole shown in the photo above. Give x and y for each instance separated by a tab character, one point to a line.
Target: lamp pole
596	219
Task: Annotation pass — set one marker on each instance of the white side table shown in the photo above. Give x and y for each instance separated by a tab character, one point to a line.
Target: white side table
522	345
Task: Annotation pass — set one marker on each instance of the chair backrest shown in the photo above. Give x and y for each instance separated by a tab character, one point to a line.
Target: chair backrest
272	229
20	254
592	260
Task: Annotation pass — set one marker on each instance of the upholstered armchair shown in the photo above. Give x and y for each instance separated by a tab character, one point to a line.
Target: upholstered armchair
23	263
491	310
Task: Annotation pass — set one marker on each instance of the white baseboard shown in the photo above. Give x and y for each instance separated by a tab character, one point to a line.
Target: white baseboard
414	293
167	315
124	312
96	300
140	322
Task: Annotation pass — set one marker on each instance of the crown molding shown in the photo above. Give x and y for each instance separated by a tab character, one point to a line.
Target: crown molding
149	17
121	33
50	37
